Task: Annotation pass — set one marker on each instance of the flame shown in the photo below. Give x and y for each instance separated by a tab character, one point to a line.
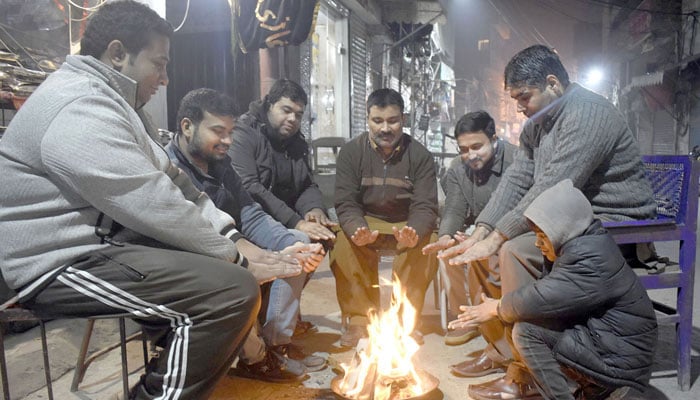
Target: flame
384	360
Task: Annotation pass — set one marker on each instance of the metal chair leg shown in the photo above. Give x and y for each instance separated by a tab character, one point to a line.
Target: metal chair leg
81	365
3	366
125	367
47	366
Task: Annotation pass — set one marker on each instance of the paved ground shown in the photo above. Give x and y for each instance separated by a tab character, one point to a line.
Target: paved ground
319	306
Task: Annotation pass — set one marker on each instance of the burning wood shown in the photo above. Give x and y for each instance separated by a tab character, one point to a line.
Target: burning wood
382	366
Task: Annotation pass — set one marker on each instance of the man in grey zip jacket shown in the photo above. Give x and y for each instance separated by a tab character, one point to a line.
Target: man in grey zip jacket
95	221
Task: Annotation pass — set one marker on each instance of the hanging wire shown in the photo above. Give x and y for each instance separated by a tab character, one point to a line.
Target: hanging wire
184	18
93	8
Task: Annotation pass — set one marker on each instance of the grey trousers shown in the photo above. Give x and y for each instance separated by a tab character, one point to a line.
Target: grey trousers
200	307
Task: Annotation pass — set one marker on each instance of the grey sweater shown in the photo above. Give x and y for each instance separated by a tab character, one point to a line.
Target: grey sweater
77	148
581	137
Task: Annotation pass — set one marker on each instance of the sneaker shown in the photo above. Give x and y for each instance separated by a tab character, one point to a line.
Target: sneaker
273	368
456	337
311	362
304	328
352	335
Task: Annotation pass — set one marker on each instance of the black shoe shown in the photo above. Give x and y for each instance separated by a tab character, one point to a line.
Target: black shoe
273	368
311	362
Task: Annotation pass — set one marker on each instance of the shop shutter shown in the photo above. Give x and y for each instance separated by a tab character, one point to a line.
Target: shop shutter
358	75
664	133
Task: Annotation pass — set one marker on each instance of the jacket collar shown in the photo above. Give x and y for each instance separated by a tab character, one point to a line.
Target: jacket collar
174	150
400	146
122	84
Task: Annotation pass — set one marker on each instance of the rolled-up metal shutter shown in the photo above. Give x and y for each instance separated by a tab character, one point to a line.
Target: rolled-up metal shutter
359	60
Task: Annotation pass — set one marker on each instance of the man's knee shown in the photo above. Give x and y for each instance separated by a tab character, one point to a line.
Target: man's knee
524	332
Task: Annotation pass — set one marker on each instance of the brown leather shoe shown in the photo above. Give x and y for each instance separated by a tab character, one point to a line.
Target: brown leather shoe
478	366
504	388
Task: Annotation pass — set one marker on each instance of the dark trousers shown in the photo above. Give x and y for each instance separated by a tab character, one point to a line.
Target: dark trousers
534	344
201	307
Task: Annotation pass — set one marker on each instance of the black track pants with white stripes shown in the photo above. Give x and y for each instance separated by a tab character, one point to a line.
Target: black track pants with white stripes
205	305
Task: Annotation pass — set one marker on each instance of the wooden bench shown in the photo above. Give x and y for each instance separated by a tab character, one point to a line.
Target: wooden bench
674	180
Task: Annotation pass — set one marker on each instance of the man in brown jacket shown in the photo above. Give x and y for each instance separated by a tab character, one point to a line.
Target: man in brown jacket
385	198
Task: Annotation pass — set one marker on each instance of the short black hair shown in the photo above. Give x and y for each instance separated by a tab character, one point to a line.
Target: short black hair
130	22
476	121
531	66
383	98
197	101
285	88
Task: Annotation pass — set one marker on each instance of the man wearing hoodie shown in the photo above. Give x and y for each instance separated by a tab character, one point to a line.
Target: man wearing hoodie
271	156
588	319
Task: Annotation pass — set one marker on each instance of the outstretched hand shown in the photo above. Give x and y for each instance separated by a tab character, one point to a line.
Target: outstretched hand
473	316
442	243
317	215
363	236
406	237
309	256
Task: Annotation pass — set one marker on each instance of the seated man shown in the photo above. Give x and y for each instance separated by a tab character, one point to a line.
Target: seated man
587	318
271	157
96	221
385	198
468	185
205	120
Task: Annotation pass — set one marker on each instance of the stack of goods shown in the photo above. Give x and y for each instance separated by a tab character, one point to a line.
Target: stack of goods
17	82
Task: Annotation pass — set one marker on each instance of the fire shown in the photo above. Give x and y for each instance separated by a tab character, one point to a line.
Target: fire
382	367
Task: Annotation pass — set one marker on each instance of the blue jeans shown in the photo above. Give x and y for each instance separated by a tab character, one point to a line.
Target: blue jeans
283	305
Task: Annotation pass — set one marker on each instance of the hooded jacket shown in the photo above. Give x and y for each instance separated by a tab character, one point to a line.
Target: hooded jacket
252	157
613	329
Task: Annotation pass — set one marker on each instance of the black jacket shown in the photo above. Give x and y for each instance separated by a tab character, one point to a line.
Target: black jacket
613	329
252	157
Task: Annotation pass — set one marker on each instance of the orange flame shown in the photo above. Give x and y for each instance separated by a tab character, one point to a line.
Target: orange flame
386	356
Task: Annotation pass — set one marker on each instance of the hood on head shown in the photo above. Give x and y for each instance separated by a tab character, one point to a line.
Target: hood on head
562	212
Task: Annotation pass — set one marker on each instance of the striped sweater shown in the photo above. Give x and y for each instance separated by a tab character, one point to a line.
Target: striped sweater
582	137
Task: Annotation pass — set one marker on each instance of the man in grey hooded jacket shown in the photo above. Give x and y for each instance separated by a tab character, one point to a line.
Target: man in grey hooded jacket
588	317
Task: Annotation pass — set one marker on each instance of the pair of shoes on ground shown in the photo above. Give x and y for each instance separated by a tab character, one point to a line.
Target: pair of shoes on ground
504	388
311	362
457	337
274	367
480	365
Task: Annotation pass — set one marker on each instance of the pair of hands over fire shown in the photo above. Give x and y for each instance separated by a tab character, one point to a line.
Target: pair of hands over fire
473	316
462	248
406	237
316	225
268	265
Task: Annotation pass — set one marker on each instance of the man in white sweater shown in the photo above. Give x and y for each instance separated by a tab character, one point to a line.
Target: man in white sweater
96	221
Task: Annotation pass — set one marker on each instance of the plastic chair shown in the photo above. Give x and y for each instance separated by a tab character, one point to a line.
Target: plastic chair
674	180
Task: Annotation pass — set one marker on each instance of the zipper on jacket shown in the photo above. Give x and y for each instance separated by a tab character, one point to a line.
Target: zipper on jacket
384	183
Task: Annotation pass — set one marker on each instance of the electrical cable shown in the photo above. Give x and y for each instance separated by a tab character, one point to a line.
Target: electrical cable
91	9
184	18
